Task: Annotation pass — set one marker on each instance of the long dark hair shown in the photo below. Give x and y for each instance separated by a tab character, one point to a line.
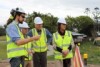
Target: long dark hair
59	25
9	21
11	18
13	13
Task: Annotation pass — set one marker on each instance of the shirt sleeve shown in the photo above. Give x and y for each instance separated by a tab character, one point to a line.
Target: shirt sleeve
12	32
49	36
30	33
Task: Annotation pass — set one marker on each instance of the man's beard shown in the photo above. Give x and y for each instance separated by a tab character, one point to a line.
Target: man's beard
20	22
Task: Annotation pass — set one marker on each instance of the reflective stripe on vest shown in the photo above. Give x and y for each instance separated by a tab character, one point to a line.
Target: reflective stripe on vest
16	49
63	43
56	34
13	50
28	47
40	45
61	54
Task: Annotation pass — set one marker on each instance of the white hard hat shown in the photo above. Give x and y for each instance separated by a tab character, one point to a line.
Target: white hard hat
38	20
20	10
61	20
23	25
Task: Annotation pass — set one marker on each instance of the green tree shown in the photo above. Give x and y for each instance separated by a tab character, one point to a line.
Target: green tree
72	23
48	19
2	31
84	24
87	11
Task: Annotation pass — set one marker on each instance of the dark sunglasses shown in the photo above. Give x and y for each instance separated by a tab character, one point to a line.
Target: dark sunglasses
22	16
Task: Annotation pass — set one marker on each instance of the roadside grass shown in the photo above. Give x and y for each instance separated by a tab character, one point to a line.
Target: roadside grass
2	38
3	52
93	52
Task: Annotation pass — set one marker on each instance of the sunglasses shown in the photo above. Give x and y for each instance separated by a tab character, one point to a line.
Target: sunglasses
22	16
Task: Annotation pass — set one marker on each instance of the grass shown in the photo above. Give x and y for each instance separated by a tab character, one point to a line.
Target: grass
93	52
2	38
3	53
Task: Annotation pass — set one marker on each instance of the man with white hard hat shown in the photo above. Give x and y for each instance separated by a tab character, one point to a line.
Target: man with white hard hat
63	41
16	40
28	60
40	46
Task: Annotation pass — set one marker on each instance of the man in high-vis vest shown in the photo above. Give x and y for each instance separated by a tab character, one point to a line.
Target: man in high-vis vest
28	60
40	46
16	41
63	41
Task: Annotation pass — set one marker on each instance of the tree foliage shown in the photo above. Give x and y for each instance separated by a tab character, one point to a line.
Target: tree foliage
2	31
49	20
82	23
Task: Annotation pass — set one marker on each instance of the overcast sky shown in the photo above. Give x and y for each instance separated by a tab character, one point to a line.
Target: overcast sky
58	8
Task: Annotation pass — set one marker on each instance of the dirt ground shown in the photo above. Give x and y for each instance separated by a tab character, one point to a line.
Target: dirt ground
5	63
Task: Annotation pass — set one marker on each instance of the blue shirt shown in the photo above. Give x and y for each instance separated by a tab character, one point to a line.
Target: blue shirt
12	31
48	34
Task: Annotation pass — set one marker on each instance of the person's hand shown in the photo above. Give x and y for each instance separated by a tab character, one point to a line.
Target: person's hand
36	37
31	52
65	53
54	46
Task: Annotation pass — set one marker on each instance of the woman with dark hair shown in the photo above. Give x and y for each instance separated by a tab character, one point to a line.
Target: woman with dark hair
62	40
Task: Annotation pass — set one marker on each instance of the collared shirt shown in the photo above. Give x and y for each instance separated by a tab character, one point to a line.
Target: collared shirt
12	31
48	34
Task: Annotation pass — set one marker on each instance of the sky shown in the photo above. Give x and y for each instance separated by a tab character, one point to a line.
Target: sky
58	8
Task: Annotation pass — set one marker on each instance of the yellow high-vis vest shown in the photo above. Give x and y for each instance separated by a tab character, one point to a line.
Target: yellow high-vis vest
13	50
41	44
62	42
28	46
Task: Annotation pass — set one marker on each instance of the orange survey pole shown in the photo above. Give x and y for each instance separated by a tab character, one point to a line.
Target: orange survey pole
77	60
